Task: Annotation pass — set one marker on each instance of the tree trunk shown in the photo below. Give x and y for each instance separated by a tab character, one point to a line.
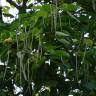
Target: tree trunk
27	89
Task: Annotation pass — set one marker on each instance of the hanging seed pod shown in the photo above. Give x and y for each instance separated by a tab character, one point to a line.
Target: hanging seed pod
8	40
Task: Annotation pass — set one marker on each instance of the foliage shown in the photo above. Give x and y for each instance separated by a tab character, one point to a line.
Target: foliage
50	50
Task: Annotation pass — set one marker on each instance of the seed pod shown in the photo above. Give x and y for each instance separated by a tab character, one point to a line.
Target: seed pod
8	40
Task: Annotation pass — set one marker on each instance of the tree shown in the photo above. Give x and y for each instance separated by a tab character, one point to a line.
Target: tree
49	50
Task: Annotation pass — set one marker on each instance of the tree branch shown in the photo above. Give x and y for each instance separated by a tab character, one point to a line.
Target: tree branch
0	13
13	3
24	3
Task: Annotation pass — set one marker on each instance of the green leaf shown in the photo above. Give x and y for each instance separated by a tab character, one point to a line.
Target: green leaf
64	41
69	7
42	13
74	40
89	42
91	85
6	9
60	53
46	7
8	15
35	31
62	34
51	83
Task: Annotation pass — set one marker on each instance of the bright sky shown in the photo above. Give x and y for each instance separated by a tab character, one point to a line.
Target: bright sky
12	11
3	2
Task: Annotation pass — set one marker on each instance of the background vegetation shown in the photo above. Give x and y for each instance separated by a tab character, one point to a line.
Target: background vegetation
48	48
